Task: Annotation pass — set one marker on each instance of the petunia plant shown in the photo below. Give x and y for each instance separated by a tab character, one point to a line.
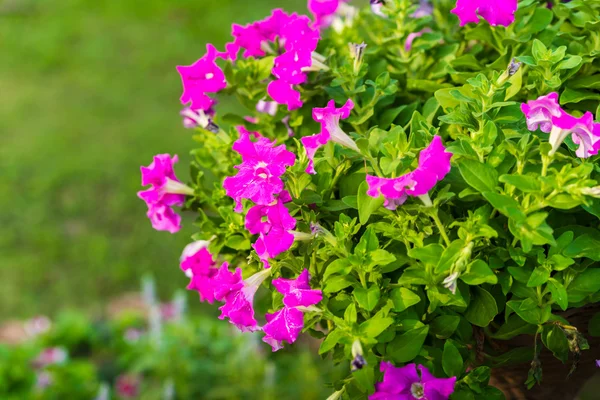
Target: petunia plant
414	184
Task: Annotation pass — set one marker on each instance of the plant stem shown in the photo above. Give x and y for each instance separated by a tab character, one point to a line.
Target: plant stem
440	226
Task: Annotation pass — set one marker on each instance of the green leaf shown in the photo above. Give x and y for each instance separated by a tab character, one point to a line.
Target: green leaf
478	175
373	327
584	284
538	50
444	326
238	242
505	204
449	256
524	183
429	254
403	298
407	346
414	276
350	314
341	266
331	340
515	326
559	293
594	325
575	96
538	277
529	311
367	298
584	246
478	272
482	308
367	205
555	340
337	283
368	243
452	361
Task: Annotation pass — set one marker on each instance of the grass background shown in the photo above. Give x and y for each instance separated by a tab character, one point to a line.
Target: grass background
88	93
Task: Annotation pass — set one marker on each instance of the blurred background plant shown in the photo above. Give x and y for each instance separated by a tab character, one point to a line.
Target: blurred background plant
152	350
89	92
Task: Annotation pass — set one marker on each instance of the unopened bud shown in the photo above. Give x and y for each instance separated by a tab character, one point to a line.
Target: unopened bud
357	52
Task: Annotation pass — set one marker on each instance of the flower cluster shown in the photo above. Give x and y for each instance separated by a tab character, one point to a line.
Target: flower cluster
237	295
329	118
546	114
166	191
407	383
286	324
259	179
496	12
434	165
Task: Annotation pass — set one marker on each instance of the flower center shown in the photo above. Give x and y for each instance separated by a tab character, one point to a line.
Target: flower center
417	391
261	170
210	75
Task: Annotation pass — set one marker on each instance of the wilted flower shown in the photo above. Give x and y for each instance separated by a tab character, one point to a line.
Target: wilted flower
496	12
198	265
434	165
329	118
259	175
450	282
357	52
513	67
238	296
198	119
377	8
204	76
405	383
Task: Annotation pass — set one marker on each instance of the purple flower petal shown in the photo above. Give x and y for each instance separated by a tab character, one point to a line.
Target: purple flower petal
283	325
496	12
297	292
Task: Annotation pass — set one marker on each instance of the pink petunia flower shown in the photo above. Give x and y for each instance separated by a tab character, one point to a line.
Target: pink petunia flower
204	76
37	326
283	93
198	119
198	264
425	9
288	66
259	175
166	191
238	296
539	113
283	325
324	11
406	383
273	224
127	386
267	107
434	165
583	132
329	118
50	356
297	292
496	12
287	323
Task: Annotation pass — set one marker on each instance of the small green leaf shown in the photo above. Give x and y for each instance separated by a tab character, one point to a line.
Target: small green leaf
444	326
449	256
429	254
538	277
367	205
478	272
559	293
341	266
367	298
407	346
403	298
530	311
331	340
238	242
482	308
373	327
584	284
555	340
337	283
584	246
513	327
452	361
478	175
524	183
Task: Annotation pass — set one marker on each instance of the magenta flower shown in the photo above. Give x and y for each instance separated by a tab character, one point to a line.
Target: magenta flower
273	224
204	76
288	66
166	191
259	175
299	35
496	12
297	292
283	325
198	264
434	165
50	356
127	386
329	118
283	93
267	107
324	11
238	296
411	38
583	132
539	113
404	383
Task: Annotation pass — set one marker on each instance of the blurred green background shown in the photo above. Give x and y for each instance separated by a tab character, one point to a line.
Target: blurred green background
88	93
